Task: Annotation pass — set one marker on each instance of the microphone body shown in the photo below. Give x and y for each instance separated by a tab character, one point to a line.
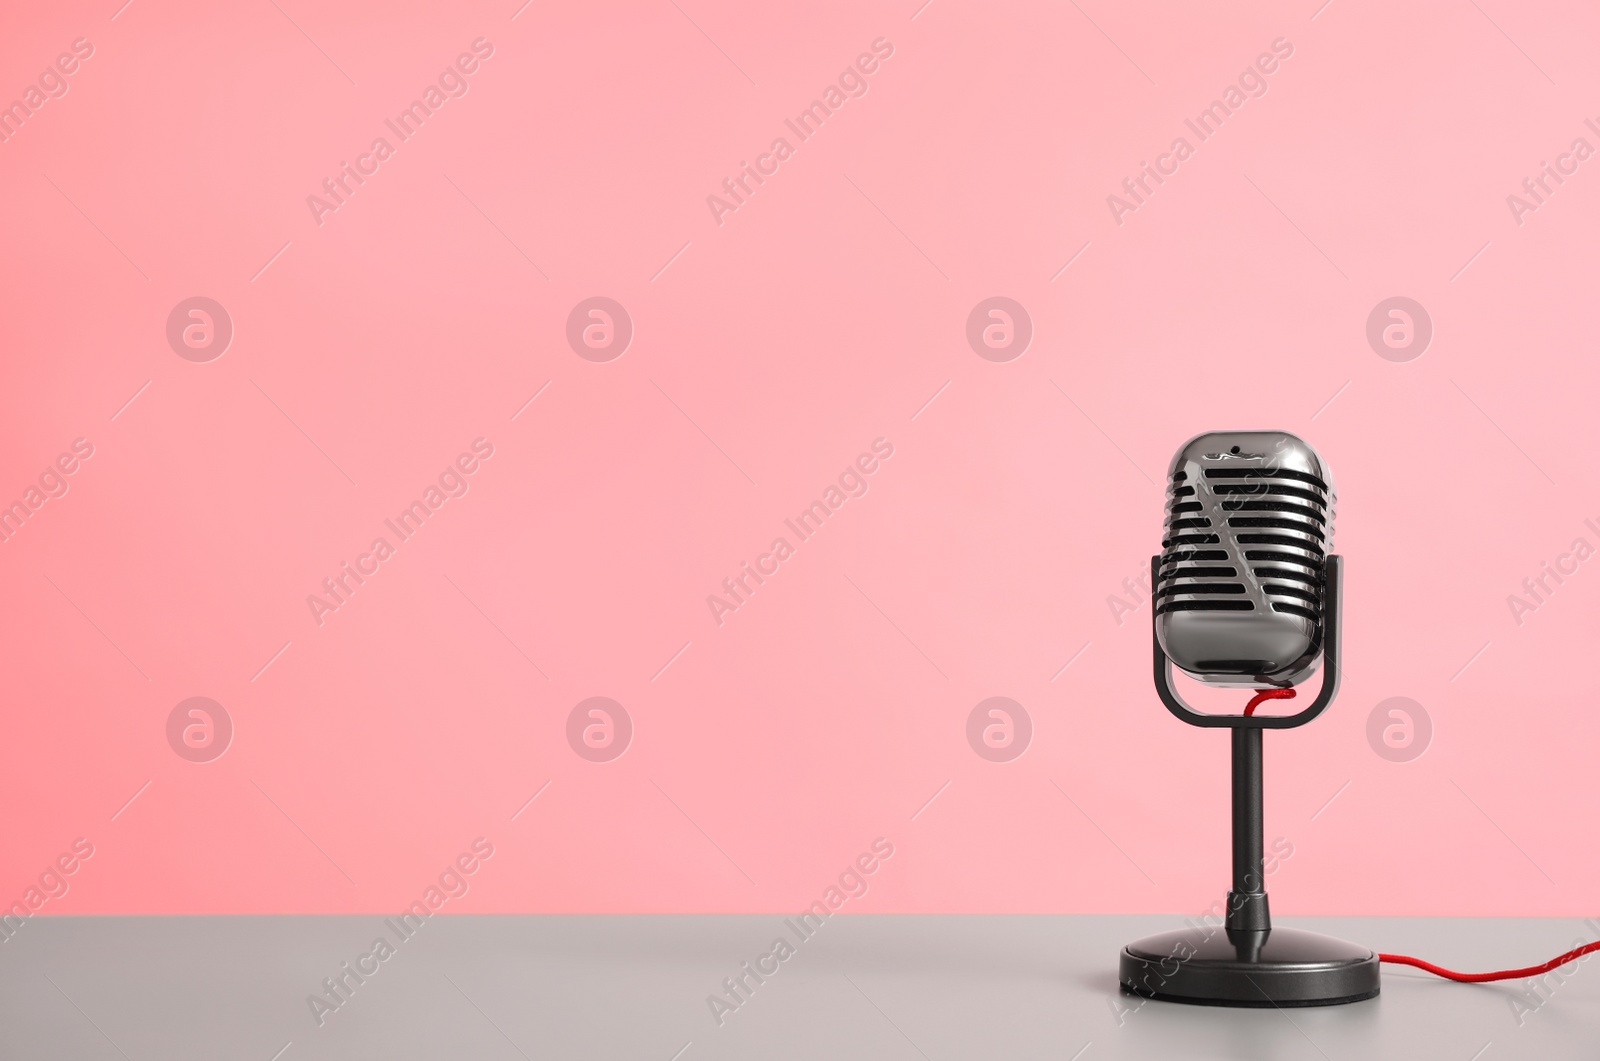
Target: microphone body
1240	588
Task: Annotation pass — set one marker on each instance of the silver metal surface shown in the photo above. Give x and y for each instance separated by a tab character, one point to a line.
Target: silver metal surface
1239	595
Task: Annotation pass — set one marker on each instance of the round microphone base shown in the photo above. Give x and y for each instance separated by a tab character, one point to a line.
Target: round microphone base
1206	966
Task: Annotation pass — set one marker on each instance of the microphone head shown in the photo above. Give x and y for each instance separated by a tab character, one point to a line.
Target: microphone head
1240	588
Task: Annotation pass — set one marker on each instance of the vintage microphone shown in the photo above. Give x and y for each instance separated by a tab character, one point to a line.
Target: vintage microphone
1247	595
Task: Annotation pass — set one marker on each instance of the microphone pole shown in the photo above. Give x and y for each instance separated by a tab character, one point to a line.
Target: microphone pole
1247	902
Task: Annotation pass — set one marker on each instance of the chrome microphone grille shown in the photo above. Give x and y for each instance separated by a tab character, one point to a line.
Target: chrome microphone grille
1239	590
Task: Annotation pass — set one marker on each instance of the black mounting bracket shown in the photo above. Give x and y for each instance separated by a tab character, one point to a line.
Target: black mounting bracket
1333	570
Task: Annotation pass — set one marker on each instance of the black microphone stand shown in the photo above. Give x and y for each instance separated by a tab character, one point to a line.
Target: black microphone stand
1247	962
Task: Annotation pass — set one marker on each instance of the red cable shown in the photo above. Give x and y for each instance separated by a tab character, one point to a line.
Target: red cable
1504	974
1267	694
1428	967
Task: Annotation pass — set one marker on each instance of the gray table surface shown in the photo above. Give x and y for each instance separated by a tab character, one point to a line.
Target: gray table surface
865	986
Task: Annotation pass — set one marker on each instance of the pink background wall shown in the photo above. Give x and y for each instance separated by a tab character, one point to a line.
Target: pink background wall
770	347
